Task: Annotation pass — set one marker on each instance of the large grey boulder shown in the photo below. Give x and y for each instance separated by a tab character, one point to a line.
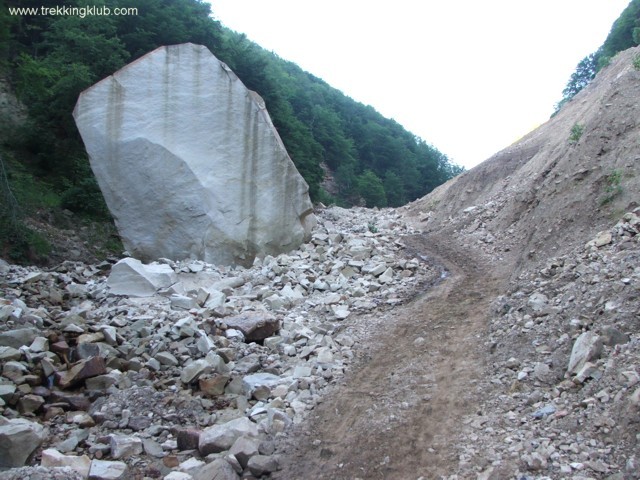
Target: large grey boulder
190	163
19	438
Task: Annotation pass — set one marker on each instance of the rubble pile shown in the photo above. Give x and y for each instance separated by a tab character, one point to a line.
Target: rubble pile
183	370
565	367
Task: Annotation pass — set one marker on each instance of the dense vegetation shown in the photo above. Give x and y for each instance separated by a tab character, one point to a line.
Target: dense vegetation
50	59
624	34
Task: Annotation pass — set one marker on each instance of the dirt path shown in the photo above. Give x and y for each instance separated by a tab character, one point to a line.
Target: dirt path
398	412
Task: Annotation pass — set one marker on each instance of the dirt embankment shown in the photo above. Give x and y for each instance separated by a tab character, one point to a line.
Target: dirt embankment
552	189
398	413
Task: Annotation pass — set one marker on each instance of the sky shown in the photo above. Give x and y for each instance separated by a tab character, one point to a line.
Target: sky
469	77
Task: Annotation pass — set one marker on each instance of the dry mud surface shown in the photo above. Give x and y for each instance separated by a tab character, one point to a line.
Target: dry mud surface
399	411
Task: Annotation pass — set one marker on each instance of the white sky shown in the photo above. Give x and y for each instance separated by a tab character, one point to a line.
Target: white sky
470	77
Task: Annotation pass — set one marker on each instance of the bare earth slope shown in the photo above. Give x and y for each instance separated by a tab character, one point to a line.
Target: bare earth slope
546	193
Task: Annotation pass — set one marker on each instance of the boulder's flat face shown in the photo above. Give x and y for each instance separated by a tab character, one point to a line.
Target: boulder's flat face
189	162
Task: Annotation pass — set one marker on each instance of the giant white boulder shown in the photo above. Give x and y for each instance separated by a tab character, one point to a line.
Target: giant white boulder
189	162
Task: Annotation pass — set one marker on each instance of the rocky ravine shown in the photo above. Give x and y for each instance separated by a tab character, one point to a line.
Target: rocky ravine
487	331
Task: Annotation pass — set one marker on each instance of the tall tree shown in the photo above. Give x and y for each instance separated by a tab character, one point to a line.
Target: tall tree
624	34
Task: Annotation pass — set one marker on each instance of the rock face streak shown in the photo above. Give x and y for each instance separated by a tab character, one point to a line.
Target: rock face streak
189	162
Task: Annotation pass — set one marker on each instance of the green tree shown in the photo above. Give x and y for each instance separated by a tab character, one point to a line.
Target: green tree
394	189
371	189
584	73
624	34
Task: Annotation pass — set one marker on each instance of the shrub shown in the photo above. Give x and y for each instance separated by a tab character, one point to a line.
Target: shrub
17	241
576	132
636	61
85	198
614	186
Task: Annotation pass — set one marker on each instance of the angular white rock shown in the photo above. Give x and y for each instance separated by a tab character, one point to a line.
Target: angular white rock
221	437
123	446
133	278
106	470
587	347
189	162
53	458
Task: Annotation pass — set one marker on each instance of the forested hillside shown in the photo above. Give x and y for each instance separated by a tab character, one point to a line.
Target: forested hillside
624	34
49	60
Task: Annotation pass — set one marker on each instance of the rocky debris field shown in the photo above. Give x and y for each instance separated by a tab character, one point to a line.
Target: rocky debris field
183	370
562	381
186	370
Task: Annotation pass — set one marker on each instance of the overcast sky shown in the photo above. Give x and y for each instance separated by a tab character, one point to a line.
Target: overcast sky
470	77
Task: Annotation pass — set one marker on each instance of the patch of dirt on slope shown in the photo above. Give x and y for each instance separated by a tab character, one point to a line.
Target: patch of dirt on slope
398	413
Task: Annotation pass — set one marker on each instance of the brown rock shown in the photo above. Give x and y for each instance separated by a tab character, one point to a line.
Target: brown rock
80	371
30	403
214	386
188	439
171	461
74	401
256	326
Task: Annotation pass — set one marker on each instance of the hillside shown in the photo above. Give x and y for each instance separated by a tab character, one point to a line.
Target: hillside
348	153
552	189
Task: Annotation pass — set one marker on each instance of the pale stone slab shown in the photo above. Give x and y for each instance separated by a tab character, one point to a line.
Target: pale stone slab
189	162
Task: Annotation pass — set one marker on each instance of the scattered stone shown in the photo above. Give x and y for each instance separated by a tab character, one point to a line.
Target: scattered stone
544	411
178	476
125	446
219	469
153	448
132	278
255	326
193	370
263	465
611	337
188	439
221	437
19	438
243	449
602	239
82	370
107	470
53	458
213	386
30	403
18	338
587	347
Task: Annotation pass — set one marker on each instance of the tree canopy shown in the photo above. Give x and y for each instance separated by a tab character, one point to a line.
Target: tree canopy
624	34
51	59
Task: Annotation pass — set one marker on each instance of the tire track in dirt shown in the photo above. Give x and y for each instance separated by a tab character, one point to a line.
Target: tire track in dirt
398	413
